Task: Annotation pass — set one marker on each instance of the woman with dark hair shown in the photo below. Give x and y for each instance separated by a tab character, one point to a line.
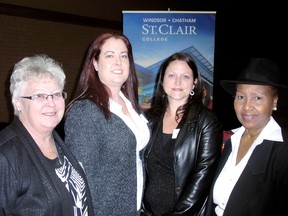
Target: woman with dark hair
105	129
185	143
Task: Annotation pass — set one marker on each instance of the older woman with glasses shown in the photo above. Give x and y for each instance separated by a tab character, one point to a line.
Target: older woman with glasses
39	175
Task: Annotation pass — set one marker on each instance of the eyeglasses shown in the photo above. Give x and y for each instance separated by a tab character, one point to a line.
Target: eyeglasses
43	97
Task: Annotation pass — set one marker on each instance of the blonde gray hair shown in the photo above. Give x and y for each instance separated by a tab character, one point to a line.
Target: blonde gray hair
34	67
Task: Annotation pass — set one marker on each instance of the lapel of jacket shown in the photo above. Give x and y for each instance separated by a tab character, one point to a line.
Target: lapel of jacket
226	153
250	181
33	150
155	126
189	123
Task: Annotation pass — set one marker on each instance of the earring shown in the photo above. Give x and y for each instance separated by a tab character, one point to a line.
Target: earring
192	93
274	108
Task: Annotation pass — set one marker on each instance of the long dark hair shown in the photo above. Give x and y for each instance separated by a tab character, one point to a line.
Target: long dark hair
89	85
160	101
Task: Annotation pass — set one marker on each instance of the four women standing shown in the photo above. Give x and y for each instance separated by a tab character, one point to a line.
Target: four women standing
108	134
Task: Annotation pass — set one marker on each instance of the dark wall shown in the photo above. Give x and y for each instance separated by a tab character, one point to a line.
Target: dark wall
22	36
243	32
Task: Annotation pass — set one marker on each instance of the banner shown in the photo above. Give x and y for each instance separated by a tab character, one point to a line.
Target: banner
155	35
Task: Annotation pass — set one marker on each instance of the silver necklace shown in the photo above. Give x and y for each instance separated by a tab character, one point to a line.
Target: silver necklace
59	153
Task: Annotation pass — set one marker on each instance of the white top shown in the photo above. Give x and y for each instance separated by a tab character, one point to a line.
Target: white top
231	172
141	131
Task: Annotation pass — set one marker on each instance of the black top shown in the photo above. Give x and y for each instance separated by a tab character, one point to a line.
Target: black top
69	182
160	194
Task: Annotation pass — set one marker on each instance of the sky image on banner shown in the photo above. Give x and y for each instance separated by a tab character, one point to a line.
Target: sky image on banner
155	35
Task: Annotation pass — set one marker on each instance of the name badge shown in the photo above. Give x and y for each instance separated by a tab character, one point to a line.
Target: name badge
175	133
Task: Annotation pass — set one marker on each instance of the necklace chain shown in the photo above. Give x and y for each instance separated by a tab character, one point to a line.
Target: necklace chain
58	151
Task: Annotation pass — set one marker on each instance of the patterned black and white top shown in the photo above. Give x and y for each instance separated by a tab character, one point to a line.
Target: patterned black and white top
75	186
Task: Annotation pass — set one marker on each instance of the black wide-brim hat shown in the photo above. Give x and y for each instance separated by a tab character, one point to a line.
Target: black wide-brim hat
260	71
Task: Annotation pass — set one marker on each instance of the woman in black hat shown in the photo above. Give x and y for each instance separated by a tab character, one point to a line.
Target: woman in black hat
252	177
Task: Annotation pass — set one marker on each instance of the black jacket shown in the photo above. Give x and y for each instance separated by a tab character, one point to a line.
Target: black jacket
262	188
196	154
25	184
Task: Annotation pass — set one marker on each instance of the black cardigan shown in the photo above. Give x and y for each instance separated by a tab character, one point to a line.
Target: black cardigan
25	185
